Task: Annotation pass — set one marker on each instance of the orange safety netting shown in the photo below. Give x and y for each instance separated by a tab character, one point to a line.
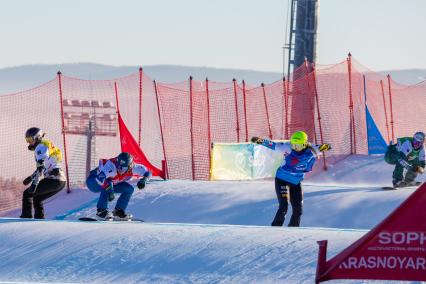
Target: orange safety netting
178	122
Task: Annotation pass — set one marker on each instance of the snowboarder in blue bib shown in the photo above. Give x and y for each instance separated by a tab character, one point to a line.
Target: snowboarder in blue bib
407	154
299	158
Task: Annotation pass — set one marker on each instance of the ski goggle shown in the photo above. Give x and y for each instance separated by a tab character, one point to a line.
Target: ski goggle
30	139
298	147
123	169
417	144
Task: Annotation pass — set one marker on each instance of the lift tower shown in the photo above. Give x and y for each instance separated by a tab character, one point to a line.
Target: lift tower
302	34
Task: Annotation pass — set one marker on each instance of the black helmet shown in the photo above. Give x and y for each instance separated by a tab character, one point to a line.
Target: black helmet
34	135
124	162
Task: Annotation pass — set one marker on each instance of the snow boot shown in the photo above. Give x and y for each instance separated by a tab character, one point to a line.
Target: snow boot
120	215
103	215
398	183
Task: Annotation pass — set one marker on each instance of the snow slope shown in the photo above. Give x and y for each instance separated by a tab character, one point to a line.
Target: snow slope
200	232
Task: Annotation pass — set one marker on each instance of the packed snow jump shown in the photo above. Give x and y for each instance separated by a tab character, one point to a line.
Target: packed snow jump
114	175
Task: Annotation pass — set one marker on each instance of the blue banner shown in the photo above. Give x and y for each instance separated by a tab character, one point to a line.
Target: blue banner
376	143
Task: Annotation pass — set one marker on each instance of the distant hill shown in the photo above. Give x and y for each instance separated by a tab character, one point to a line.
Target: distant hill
407	76
14	79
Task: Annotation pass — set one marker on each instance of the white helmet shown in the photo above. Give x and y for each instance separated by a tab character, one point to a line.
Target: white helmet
418	140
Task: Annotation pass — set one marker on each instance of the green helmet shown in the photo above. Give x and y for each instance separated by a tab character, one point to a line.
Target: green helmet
299	138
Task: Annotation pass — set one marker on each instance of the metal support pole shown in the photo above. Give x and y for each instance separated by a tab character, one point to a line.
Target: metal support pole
191	114
319	115
391	107
385	110
267	112
209	125
165	167
63	130
351	106
236	110
245	109
287	124
89	136
140	105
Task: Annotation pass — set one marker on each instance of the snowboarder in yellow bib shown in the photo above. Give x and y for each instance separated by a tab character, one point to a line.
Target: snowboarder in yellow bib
48	178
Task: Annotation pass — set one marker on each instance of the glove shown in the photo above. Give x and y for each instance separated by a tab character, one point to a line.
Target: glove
32	178
257	140
111	195
28	180
100	178
420	170
324	147
141	183
110	192
405	164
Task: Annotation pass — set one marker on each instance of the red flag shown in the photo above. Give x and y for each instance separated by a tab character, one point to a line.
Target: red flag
128	144
393	250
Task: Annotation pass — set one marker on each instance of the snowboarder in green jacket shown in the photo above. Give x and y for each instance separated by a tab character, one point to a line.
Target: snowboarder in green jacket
407	154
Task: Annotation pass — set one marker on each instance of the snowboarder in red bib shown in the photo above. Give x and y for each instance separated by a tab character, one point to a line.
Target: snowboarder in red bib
112	176
407	154
299	158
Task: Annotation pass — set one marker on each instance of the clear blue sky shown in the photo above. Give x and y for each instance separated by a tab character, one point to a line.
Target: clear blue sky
243	34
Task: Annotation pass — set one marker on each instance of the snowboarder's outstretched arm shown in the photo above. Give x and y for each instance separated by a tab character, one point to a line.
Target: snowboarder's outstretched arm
283	147
317	149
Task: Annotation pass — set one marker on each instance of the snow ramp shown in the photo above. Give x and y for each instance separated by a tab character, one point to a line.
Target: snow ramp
123	252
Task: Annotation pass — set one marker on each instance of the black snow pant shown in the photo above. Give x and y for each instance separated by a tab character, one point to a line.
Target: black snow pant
283	189
34	197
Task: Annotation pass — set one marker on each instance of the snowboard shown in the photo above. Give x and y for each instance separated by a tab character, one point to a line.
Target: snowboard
395	188
90	219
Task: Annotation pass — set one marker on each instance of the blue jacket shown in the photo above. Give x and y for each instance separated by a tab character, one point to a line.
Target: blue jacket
295	164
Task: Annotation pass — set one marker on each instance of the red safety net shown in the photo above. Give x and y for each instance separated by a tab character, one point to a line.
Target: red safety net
177	122
200	125
301	102
408	109
257	113
225	113
276	108
38	107
175	115
333	103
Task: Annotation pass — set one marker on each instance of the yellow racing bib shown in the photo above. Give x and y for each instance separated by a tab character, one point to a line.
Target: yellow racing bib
54	151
